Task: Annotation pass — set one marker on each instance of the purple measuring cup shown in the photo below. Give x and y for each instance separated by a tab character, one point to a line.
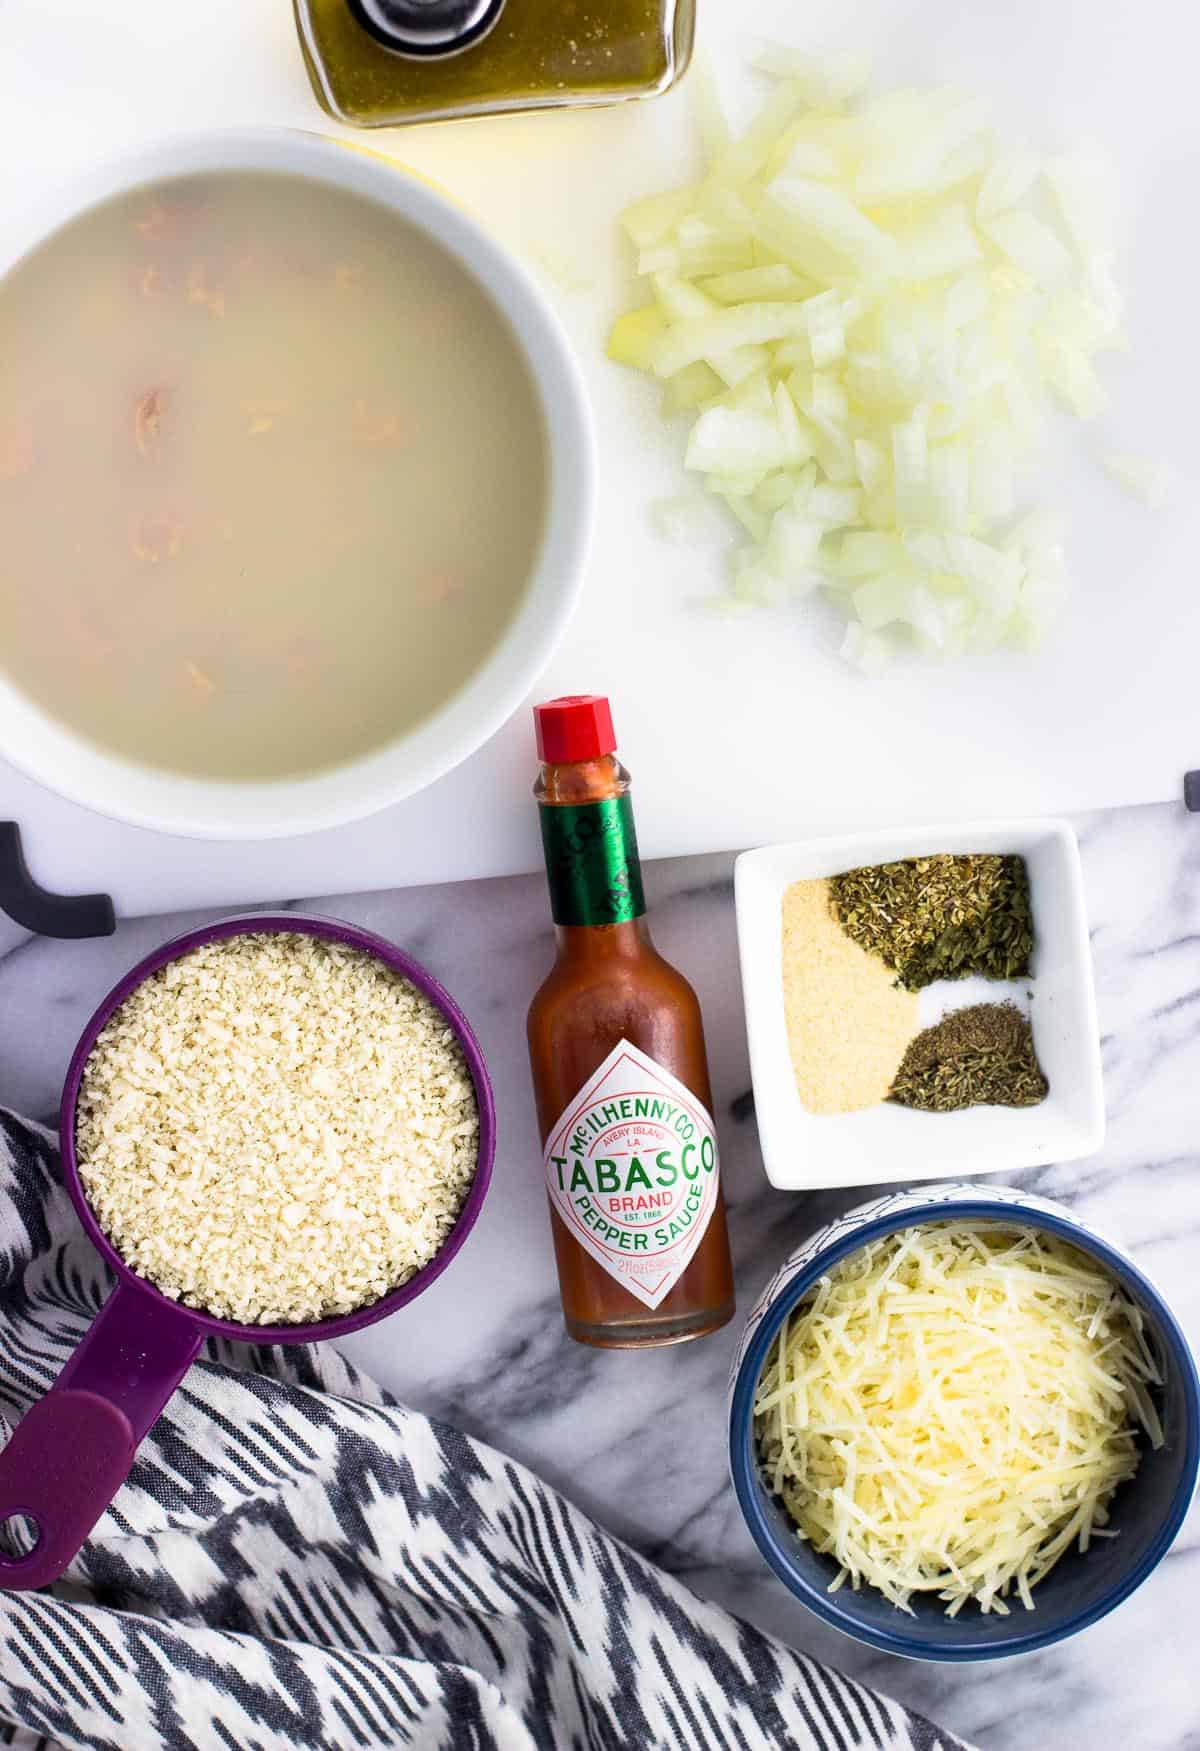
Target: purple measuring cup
72	1451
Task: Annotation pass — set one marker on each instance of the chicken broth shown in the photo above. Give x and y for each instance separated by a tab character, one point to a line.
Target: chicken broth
273	476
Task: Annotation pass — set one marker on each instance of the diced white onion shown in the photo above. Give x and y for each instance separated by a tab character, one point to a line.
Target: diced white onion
1030	245
1083	184
1011	175
865	309
831	219
826	82
1151	481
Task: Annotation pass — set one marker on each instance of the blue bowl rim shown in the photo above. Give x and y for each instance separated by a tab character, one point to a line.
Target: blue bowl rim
744	1465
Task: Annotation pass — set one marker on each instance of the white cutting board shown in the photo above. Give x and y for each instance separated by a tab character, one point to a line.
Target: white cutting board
737	732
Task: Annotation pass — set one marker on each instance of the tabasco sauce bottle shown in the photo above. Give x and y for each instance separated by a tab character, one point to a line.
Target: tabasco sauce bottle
619	1069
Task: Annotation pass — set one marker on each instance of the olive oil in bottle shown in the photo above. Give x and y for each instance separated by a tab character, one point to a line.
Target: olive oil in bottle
376	63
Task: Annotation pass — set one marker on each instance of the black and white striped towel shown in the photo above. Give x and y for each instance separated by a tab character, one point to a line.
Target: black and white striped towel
298	1561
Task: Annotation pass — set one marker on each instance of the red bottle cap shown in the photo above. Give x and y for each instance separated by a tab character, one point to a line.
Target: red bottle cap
577	727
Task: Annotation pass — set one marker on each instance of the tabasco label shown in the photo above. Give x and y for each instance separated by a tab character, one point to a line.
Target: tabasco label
631	1168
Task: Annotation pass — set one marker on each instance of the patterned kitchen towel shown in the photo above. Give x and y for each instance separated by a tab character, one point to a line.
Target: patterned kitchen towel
298	1561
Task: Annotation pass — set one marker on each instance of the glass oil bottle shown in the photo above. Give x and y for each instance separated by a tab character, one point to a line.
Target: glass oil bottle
377	63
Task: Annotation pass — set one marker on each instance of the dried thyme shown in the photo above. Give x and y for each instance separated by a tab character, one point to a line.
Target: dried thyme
941	917
981	1056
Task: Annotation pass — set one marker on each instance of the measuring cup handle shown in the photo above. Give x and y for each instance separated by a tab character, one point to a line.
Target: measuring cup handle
73	1450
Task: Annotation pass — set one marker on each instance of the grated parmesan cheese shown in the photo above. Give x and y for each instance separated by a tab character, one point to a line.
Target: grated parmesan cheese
951	1409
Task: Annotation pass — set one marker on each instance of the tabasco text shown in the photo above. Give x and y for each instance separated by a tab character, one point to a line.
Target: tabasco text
617	1049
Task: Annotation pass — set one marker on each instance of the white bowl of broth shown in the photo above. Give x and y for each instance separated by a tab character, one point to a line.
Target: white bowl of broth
296	482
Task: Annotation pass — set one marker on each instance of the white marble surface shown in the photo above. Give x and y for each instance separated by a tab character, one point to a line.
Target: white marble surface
638	1439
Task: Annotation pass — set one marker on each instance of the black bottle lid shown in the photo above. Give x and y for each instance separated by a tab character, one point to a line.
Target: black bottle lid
426	28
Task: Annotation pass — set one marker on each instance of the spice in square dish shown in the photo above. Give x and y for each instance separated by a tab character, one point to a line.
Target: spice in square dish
942	917
980	1056
857	948
848	1023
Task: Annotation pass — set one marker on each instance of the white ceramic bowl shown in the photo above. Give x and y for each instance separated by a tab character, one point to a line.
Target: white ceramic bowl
802	1150
56	757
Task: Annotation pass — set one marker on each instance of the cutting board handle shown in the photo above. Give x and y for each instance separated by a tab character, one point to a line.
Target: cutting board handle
34	908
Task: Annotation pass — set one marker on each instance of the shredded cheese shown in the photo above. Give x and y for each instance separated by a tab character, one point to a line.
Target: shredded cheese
951	1409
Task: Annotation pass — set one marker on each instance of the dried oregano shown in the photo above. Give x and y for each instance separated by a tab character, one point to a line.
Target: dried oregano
941	917
981	1056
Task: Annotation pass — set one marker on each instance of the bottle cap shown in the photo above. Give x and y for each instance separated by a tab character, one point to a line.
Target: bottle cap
424	28
577	727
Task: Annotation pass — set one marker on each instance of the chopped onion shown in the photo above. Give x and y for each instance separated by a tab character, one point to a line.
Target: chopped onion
1011	175
1152	482
751	285
865	307
942	244
827	81
865	650
1029	245
833	225
1083	183
714	130
734	440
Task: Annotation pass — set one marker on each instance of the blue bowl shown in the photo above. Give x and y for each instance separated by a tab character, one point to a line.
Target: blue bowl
1148	1511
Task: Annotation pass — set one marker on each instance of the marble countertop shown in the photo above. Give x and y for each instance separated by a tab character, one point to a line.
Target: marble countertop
638	1439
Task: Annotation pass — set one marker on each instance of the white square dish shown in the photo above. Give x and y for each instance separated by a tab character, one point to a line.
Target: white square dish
803	1150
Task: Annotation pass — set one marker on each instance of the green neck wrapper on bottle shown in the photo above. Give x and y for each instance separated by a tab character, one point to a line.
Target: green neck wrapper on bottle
592	861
